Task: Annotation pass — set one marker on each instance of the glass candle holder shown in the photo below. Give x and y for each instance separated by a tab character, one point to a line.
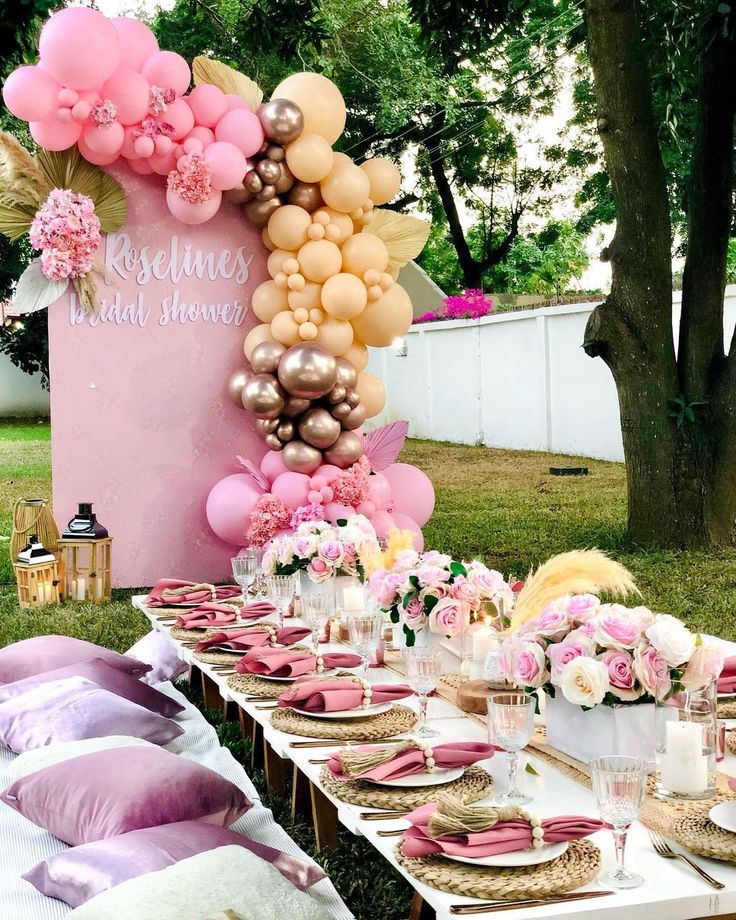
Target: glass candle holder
687	742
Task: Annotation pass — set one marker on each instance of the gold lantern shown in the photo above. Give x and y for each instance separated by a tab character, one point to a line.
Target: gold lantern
86	554
37	574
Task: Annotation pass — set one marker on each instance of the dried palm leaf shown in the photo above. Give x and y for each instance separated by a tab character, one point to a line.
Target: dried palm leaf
227	79
404	236
35	291
15	220
587	571
111	206
21	180
69	169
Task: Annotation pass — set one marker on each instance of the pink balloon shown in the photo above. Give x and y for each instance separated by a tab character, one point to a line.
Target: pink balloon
404	522
104	141
137	41
368	509
227	164
163	164
242	128
291	488
328	472
272	465
379	490
193	213
91	156
208	104
383	523
412	491
80	111
79	47
205	136
51	134
234	101
30	93
144	146
229	505
180	117
129	139
142	167
130	92
167	69
334	511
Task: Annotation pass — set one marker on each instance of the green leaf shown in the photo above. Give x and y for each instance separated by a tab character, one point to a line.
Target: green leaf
410	636
342	522
430	602
407	597
530	769
394	616
457	568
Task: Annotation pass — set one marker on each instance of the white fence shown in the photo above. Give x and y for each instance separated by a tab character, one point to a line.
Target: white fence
21	394
515	380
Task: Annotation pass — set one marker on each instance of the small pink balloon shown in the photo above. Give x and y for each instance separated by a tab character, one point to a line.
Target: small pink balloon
142	167
80	111
163	164
317	482
51	134
31	94
193	213
229	505
366	508
106	140
128	148
66	116
66	96
192	145
130	92
208	104
137	41
272	465
79	47
327	494
234	101
205	136
227	164
404	522
144	147
291	488
167	69
328	472
411	490
379	490
334	511
163	145
92	156
314	497
180	117
242	128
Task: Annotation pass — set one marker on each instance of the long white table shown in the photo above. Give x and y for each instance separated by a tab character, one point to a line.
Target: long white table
672	891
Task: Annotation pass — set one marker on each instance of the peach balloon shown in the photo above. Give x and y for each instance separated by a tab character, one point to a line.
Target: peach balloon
334	335
268	300
346	188
309	157
267	241
384	177
372	393
256	335
288	225
385	319
343	222
357	355
363	252
344	296
285	329
319	99
319	260
308	298
276	261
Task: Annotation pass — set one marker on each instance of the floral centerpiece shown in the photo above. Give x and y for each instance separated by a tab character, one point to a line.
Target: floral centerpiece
432	592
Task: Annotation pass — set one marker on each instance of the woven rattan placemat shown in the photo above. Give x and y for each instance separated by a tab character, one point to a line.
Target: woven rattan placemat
698	834
397	720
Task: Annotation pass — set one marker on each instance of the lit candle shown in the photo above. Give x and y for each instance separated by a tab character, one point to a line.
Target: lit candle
353	598
683	766
484	639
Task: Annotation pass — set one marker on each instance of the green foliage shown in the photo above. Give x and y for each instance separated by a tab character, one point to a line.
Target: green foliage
542	263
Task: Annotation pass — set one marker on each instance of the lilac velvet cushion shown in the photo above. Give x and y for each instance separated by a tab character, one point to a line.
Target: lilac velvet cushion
74	709
161	654
44	653
112	792
79	874
104	675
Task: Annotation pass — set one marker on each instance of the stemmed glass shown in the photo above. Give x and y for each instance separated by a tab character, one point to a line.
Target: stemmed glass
245	569
510	726
423	669
281	590
316	611
620	785
365	631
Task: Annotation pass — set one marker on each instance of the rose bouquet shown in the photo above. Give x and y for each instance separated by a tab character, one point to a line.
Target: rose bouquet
597	653
431	591
323	550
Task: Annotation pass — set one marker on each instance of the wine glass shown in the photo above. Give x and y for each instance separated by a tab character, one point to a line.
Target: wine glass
281	590
245	569
423	669
619	784
316	610
365	630
510	726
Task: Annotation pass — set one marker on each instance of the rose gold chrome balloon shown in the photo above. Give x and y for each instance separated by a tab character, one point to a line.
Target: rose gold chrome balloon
266	426
337	394
258	212
307	371
273	443
305	195
355	419
352	399
345	451
295	406
266	356
282	120
264	396
301	458
318	428
341	411
235	386
346	373
285	431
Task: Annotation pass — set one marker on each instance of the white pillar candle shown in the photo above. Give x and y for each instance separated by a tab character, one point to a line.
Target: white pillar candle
353	598
683	766
684	739
484	639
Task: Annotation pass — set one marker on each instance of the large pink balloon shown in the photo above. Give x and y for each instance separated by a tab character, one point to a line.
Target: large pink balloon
329	472
227	163
412	491
168	69
51	134
229	505
334	511
79	47
273	465
379	490
137	41
91	156
208	104
104	141
130	92
383	524
193	213
180	117
404	522
291	488
30	93
242	128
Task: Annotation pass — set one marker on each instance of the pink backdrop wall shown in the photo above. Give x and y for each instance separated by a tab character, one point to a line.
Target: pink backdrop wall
140	420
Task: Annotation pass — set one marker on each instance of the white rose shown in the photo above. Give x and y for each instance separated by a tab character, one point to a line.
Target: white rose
584	681
286	551
672	639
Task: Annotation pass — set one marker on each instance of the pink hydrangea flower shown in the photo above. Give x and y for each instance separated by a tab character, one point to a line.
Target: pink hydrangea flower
192	179
67	231
269	516
351	486
307	513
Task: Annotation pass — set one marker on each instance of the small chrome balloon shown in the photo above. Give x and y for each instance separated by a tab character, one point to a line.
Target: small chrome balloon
301	458
285	431
265	426
355	419
258	212
266	356
267	193
346	373
264	396
235	385
305	195
285	181
318	428
273	442
282	120
253	181
352	399
341	410
269	171
337	394
295	407
276	153
345	451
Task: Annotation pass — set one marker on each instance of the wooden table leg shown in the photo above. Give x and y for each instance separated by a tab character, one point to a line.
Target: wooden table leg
300	799
275	771
246	724
257	758
230	710
210	692
324	819
420	910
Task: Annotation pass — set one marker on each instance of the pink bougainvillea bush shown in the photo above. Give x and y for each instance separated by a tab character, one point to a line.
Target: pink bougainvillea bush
471	304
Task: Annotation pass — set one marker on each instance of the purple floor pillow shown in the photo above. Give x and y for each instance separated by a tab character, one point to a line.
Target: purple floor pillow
44	653
158	651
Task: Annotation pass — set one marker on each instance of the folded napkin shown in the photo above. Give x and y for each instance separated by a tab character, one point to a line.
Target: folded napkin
275	662
505	836
168	592
241	640
727	681
256	610
208	614
315	695
405	759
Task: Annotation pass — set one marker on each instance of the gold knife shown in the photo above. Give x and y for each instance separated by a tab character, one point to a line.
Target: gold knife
497	906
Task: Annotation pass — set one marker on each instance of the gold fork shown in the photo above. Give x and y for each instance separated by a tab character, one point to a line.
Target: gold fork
664	849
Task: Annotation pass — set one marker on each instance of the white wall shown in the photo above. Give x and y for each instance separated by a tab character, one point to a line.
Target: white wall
516	380
21	394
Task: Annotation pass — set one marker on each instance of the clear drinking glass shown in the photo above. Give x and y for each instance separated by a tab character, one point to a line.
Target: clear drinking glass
510	726
365	633
316	611
619	784
281	590
423	668
245	569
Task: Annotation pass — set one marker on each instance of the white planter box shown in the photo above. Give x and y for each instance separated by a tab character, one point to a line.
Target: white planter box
587	734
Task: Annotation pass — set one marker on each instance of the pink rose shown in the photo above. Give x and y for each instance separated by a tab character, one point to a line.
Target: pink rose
407	559
318	570
616	628
621	676
652	671
574	645
581	607
464	590
433	557
414	615
384	586
524	663
443	589
332	551
304	546
431	575
706	664
450	617
490	584
552	623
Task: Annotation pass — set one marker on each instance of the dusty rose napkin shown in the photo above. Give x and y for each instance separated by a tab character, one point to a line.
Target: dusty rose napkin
315	695
166	593
256	610
241	640
727	681
407	763
503	837
275	662
208	614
